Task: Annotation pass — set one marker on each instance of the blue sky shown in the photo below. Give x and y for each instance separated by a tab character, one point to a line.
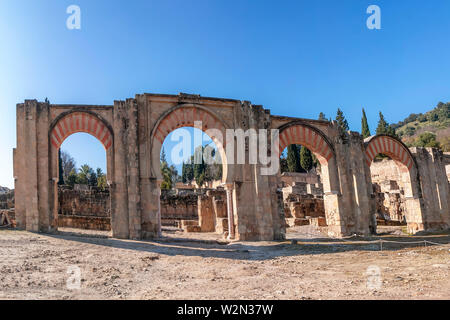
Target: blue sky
296	58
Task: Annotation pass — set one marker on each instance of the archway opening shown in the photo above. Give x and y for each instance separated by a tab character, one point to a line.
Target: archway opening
315	140
396	196
193	199
302	189
389	191
83	195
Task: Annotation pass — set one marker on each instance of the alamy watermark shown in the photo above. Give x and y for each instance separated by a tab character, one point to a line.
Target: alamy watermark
74	280
242	147
374	280
374	20
74	20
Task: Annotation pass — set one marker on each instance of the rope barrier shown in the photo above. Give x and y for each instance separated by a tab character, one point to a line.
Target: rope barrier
381	240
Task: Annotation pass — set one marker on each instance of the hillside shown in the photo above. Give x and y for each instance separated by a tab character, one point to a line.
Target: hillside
418	129
4	190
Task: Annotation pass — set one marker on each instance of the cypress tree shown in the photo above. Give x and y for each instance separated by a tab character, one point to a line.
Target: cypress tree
306	159
341	121
163	156
382	127
293	158
61	171
365	131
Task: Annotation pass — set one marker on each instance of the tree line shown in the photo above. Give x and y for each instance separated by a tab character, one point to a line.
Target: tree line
70	175
204	165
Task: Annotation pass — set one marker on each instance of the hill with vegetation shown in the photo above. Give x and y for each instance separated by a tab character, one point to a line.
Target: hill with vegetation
430	129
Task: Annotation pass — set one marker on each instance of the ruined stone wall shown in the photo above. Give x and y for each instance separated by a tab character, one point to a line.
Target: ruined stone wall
385	170
389	192
200	211
84	208
7	200
178	206
289	178
86	203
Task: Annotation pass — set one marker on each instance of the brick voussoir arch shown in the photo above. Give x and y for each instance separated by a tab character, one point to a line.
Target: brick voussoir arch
298	132
186	116
72	122
389	146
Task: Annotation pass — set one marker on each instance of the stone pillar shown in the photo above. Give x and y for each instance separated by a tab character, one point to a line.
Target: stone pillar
158	192
430	183
206	216
229	190
119	193
133	185
31	166
361	197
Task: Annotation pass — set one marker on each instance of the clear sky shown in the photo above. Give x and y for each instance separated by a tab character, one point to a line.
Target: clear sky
296	58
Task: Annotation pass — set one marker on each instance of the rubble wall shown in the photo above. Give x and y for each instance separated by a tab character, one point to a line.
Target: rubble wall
7	200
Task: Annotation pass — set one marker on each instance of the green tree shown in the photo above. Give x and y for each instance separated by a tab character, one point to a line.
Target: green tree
365	131
162	157
188	171
72	178
86	175
410	131
67	164
391	132
60	167
342	122
199	166
306	159
293	158
102	183
427	139
382	127
283	164
167	176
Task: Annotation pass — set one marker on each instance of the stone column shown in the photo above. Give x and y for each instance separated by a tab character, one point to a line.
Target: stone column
229	189
158	185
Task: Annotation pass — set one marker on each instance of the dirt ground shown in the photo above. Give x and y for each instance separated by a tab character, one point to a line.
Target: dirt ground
35	266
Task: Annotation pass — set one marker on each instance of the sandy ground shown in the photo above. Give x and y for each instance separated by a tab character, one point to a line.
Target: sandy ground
35	266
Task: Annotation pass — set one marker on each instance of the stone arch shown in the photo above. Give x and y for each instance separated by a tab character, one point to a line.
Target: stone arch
391	147
308	136
80	121
400	154
186	116
67	124
317	142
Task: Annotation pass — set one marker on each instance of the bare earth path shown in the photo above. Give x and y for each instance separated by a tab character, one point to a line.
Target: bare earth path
34	266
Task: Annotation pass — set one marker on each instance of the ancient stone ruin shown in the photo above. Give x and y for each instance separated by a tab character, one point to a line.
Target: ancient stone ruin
250	204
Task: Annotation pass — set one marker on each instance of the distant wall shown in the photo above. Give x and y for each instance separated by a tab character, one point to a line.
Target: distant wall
84	208
91	202
7	200
178	206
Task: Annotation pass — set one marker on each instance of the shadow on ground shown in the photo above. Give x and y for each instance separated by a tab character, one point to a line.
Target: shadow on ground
264	250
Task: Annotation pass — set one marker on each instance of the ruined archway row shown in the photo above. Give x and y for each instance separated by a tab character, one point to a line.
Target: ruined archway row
391	147
132	131
80	122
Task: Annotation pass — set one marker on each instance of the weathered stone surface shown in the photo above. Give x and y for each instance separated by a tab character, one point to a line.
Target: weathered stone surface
84	202
90	223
